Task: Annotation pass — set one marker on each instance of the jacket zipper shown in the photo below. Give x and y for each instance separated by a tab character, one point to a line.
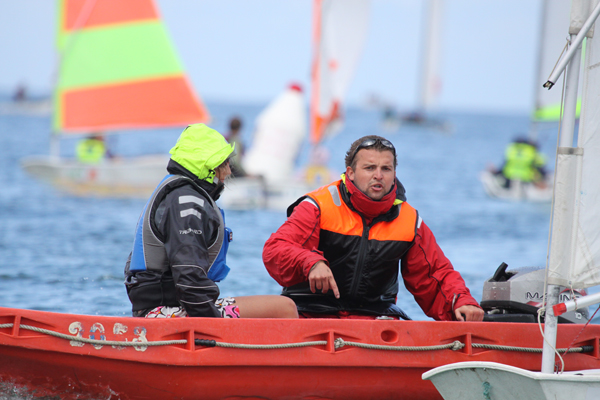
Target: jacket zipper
360	259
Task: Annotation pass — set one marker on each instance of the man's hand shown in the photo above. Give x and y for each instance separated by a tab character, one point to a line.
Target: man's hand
471	313
320	277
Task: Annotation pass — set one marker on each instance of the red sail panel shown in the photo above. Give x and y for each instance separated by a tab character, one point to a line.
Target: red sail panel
89	13
132	105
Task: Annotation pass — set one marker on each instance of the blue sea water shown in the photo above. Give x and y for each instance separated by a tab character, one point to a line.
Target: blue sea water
66	254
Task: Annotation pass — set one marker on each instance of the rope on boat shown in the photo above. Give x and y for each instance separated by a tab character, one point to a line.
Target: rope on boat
582	349
96	341
200	342
338	343
456	345
270	346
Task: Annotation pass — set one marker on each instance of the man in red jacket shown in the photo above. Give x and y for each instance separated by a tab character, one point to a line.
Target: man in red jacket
339	252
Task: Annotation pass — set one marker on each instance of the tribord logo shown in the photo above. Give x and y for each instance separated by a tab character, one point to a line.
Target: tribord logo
190	230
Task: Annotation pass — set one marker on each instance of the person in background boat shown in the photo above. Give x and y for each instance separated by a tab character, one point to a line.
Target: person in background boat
20	93
234	136
181	241
339	252
92	150
317	172
523	162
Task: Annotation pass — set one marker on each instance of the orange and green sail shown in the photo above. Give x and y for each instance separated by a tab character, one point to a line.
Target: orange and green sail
118	69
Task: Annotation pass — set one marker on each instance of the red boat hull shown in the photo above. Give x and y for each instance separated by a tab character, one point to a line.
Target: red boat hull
42	365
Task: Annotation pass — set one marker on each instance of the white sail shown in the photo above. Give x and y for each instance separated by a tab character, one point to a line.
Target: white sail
553	38
431	83
575	262
278	136
340	33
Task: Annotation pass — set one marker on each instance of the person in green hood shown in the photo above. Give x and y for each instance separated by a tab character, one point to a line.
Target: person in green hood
523	162
181	241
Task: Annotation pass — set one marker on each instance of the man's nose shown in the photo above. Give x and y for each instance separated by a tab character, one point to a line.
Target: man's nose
378	173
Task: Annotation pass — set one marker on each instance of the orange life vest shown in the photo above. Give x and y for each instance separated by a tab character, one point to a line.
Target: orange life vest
364	258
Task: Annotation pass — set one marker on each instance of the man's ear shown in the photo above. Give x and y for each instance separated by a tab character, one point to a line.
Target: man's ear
349	173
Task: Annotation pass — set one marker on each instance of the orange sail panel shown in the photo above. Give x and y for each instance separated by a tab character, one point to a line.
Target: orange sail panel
119	70
104	12
134	105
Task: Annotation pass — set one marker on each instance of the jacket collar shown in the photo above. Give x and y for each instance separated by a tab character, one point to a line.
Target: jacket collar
213	189
388	215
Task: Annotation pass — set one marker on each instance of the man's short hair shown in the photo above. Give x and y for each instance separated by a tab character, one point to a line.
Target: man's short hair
380	144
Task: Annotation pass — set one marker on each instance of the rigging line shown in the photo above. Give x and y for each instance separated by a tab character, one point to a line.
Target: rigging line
338	343
584	326
560	56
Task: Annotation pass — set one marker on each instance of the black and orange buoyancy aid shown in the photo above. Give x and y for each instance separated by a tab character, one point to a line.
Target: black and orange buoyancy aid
364	258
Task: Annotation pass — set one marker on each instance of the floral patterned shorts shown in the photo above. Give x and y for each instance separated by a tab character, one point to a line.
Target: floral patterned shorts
226	307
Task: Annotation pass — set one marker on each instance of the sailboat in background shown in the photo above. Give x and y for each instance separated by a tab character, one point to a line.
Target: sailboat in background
23	103
547	104
269	179
430	82
574	253
339	34
118	71
553	39
340	30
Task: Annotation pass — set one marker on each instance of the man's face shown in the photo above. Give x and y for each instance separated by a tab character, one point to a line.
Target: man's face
374	174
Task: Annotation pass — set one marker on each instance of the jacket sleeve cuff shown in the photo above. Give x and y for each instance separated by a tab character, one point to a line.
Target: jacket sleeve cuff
463	300
311	261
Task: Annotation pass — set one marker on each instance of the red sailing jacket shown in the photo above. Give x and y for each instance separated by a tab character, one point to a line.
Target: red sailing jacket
290	253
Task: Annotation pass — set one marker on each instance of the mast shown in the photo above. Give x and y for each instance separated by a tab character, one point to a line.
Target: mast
315	125
565	212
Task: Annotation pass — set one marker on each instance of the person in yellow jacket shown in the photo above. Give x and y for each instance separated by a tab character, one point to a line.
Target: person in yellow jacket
92	150
523	162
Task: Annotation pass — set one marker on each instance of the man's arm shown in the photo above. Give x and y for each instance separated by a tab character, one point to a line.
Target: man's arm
468	313
190	227
291	252
438	288
321	278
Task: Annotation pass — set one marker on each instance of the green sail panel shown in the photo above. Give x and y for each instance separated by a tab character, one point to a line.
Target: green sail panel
552	113
119	53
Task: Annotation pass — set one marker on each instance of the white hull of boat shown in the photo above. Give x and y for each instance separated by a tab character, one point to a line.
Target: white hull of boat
27	107
518	191
249	193
135	177
489	380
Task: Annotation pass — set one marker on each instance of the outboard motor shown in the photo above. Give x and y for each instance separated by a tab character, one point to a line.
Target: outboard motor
516	295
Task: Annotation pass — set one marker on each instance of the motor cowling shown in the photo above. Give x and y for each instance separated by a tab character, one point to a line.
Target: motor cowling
515	295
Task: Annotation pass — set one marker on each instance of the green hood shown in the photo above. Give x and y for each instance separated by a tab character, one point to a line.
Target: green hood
200	150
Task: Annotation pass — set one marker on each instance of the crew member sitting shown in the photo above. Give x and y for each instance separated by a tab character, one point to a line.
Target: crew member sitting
92	150
523	162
